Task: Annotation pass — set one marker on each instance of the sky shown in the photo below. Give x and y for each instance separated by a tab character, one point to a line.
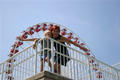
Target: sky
97	22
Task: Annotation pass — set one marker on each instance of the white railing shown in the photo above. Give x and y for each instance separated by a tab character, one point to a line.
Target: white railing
28	62
117	65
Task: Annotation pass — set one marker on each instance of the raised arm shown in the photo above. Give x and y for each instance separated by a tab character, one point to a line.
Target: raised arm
63	39
33	39
35	43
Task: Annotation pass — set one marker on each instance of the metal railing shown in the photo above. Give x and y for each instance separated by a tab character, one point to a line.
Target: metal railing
117	65
72	63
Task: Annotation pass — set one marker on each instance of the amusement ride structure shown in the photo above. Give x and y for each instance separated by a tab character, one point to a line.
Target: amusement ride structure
24	61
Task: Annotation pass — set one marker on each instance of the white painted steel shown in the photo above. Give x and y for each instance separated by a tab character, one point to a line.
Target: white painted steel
28	63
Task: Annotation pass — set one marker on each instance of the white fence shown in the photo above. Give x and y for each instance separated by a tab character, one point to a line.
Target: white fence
79	66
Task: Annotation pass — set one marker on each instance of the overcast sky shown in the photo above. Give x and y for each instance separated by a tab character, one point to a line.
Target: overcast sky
97	22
